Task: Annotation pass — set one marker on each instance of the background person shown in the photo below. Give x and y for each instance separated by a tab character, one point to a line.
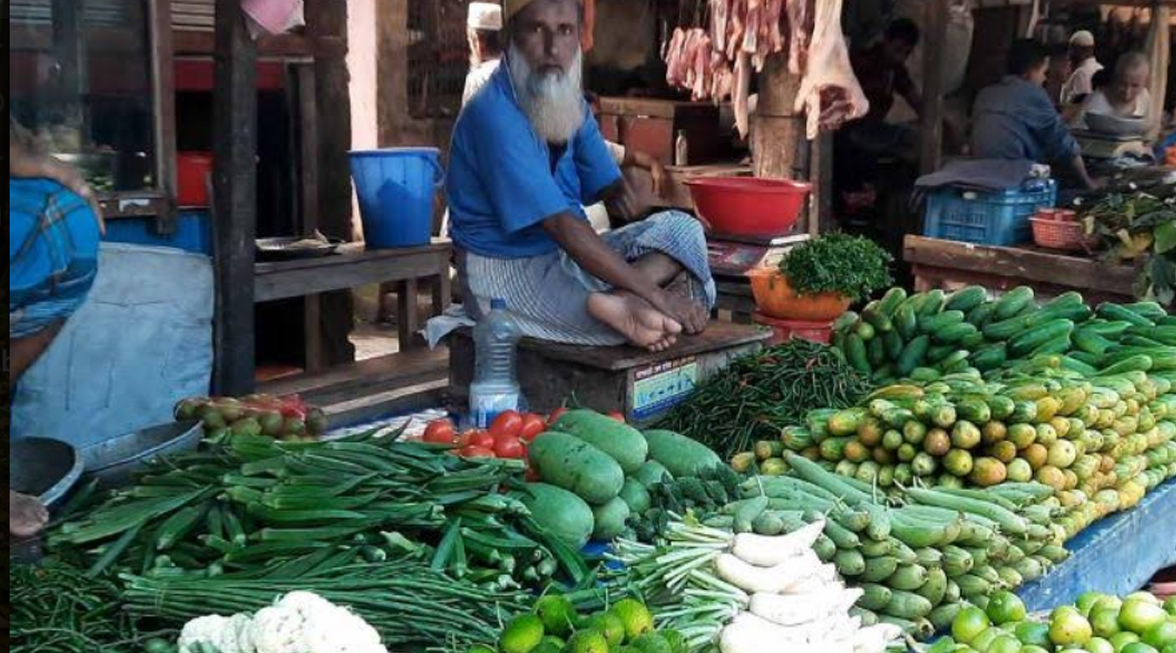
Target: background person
1084	65
1015	119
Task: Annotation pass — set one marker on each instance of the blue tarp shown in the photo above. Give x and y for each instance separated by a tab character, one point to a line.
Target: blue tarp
1117	555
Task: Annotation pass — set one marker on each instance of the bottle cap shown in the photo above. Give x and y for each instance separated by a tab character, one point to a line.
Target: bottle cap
498	304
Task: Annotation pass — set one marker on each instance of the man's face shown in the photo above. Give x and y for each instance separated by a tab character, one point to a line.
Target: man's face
1039	74
547	34
1128	86
897	51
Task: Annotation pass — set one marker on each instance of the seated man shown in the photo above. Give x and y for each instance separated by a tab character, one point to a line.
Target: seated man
1125	97
526	157
53	233
1015	119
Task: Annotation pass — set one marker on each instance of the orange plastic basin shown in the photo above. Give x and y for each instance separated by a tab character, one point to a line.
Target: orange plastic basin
775	298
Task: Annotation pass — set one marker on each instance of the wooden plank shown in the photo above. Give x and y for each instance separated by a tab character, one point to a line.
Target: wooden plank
164	119
275	281
312	314
384	372
309	140
235	198
719	335
295	46
402	400
1024	265
934	79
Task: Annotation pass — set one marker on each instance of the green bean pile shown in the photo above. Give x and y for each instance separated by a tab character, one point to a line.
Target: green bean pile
57	607
760	394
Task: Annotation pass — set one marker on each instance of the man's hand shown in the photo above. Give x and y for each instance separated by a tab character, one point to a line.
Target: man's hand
660	178
23	164
26	515
687	312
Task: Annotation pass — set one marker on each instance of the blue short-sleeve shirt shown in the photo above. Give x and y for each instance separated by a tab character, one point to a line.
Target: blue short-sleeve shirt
504	181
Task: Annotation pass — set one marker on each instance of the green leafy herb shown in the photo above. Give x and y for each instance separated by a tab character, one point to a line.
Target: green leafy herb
850	266
1139	226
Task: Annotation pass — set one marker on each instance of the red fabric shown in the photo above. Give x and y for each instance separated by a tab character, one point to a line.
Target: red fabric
587	38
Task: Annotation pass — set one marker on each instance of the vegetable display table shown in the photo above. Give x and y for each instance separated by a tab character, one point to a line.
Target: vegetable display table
1117	555
938	263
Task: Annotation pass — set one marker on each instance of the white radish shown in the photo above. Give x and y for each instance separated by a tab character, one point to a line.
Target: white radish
775	579
770	551
822	578
748	633
798	609
875	639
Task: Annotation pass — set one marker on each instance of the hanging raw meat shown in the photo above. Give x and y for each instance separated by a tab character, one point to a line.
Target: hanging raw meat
829	94
799	36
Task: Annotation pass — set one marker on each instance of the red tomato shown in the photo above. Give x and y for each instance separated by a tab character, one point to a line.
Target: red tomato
480	439
440	432
533	425
509	423
618	416
555	415
509	447
477	452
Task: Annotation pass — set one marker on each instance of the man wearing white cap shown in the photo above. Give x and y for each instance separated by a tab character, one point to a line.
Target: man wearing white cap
482	27
1080	83
526	156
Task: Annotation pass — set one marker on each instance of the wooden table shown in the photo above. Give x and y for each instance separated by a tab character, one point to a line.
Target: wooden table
355	266
940	263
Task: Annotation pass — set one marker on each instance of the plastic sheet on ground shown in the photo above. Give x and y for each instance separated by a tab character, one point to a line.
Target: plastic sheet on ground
1117	555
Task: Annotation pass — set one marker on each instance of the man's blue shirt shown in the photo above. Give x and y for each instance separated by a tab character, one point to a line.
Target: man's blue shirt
504	181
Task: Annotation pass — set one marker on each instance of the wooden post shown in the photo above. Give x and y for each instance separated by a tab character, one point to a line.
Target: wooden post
235	202
776	127
327	19
934	78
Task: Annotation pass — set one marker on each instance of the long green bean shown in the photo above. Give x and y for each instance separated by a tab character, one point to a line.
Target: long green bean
760	394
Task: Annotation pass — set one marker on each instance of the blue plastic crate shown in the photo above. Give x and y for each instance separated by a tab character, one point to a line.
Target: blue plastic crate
193	232
987	218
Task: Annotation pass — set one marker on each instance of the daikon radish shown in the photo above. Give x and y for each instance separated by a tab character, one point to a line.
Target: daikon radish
776	579
770	551
821	578
875	639
748	633
798	609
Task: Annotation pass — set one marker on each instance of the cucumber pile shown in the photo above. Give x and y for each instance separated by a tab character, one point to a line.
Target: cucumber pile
596	474
930	334
916	564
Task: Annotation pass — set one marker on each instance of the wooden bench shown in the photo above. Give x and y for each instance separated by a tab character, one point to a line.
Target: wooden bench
638	383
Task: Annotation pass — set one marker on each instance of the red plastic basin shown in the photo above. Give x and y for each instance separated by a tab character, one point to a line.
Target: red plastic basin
193	170
746	206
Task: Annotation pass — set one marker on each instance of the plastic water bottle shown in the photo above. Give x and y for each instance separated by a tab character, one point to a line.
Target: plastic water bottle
495	388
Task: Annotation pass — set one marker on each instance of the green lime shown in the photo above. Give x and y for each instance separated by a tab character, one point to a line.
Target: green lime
522	635
1160	635
1036	649
1086	602
1104	620
1032	633
970	622
1139	647
1170	606
635	617
557	614
1139	614
1005	607
1004	644
1121	640
609	625
1171	648
651	643
1067	627
587	641
982	641
1100	645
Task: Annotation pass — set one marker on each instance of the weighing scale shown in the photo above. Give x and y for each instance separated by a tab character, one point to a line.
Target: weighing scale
1103	146
734	256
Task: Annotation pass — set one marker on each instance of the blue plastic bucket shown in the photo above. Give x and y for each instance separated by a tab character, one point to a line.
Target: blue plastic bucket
396	188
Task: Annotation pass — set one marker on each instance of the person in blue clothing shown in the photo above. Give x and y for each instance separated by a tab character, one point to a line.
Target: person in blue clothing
526	157
54	227
1015	119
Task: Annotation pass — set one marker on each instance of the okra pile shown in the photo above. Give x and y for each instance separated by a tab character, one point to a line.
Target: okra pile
254	503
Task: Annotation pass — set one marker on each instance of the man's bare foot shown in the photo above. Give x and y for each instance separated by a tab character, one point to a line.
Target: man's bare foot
26	515
642	324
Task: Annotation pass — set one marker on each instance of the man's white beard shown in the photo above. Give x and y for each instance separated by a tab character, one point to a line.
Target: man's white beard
553	102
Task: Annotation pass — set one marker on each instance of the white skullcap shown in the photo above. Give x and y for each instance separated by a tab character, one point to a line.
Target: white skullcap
1082	39
485	15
